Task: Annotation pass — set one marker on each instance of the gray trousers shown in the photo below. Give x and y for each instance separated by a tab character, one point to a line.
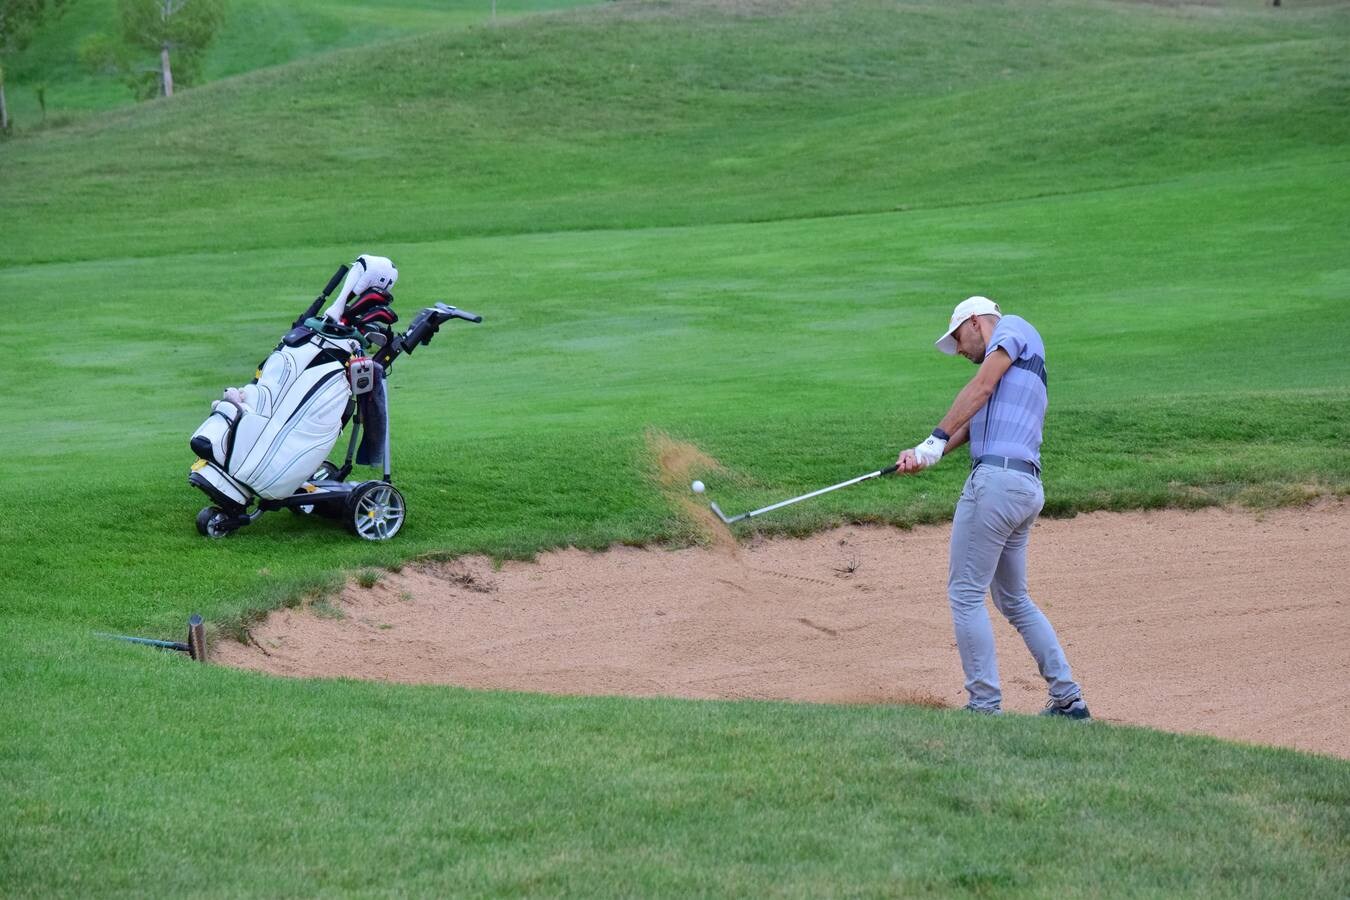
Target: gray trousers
989	553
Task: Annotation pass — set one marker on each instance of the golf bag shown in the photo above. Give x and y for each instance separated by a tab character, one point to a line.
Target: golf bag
269	437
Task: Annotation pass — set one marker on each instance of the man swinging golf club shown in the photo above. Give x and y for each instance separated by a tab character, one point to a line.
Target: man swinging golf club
1001	413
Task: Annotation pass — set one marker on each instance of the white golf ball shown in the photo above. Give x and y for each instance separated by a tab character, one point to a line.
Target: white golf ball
697	486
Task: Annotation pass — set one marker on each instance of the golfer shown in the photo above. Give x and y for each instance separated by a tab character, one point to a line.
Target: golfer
1001	412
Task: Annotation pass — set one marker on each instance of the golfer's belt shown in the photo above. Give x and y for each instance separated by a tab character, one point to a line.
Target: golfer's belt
1004	462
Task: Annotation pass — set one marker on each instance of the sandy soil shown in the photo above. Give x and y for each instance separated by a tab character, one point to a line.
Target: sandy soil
1227	622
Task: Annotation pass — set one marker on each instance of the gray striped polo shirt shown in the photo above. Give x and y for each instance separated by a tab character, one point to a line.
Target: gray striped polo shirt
1010	423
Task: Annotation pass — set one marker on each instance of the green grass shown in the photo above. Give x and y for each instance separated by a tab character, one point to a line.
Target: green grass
238	784
744	226
684	119
256	34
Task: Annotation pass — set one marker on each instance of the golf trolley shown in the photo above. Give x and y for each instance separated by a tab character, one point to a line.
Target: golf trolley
265	446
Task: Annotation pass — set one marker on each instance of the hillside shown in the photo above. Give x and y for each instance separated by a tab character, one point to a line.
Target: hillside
256	34
689	113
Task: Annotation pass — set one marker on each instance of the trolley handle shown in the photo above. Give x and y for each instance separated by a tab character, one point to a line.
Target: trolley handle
422	330
452	312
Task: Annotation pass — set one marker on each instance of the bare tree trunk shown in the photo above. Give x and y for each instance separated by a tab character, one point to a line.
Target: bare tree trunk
166	73
4	111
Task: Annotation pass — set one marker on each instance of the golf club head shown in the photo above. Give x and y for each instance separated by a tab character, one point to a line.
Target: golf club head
723	516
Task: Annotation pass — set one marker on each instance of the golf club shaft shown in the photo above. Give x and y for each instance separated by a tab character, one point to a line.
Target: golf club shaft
834	487
150	642
313	308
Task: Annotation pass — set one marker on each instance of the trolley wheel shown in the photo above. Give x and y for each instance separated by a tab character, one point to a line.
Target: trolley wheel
375	511
214	522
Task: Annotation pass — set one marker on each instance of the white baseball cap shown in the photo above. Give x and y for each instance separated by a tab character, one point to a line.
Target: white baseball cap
971	306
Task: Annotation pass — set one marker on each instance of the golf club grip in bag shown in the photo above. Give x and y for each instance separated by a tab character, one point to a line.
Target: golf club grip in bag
313	308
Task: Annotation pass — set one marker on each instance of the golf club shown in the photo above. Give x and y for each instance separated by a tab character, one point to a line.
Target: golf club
180	646
194	646
834	487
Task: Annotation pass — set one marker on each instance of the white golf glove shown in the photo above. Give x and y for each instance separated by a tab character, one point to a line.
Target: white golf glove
930	451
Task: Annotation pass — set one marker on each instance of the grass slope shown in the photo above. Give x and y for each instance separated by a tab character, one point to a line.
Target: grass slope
205	781
256	34
689	116
692	225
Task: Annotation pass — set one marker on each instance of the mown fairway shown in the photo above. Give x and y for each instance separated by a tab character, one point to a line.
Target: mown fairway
743	225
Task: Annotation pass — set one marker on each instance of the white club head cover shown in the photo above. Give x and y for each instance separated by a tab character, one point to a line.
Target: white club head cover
367	272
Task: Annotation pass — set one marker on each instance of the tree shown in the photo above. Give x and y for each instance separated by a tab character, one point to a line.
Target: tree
165	26
19	21
177	32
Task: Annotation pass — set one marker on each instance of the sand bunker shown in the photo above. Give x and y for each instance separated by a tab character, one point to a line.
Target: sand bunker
1227	622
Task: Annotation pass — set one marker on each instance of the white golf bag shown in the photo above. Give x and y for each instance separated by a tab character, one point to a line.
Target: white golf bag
269	437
